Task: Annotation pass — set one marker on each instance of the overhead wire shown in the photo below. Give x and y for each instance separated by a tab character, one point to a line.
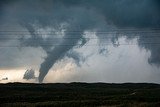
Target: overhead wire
150	33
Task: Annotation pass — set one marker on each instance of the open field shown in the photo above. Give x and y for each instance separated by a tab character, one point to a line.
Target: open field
80	95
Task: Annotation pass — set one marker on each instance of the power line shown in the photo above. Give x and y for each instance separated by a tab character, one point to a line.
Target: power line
80	31
79	45
74	32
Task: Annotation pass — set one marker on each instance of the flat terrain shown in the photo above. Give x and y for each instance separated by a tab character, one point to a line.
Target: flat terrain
80	95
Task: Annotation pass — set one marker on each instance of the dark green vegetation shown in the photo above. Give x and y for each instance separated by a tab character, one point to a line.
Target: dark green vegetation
80	94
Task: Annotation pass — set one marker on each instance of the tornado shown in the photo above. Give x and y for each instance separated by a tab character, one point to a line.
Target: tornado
57	53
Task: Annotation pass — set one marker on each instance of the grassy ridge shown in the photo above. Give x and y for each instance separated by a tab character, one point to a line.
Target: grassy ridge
80	94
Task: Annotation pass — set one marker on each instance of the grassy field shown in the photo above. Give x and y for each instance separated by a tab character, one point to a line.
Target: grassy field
80	95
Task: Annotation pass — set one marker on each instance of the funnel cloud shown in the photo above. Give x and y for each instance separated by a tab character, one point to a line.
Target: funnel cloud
29	74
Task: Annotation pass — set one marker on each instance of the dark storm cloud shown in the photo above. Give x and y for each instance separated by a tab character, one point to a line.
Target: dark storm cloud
138	14
151	42
80	15
124	13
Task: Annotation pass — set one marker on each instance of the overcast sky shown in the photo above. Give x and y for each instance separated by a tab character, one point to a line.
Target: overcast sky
112	41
